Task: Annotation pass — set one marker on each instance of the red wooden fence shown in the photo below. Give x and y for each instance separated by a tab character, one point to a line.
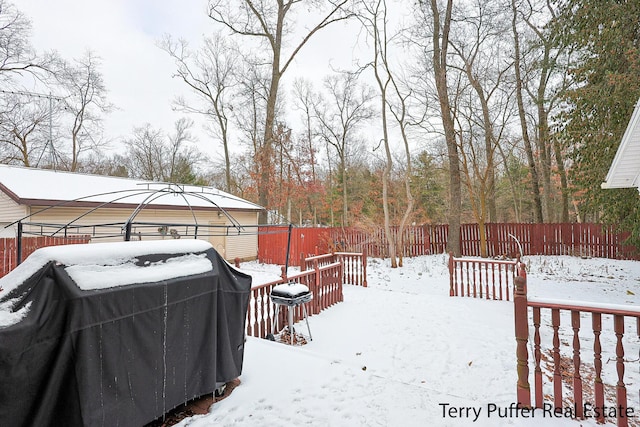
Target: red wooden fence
502	240
588	395
8	248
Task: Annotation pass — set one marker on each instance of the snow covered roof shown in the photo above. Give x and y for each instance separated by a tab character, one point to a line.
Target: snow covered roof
43	187
625	168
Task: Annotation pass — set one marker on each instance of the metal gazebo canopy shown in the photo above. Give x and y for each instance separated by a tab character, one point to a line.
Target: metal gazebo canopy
145	195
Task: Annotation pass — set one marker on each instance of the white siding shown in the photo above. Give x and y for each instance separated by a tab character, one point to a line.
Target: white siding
244	245
625	168
10	211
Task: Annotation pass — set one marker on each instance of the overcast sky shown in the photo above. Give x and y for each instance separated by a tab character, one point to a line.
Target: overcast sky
123	33
137	74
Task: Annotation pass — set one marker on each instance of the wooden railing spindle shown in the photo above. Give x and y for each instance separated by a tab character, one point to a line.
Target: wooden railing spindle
557	375
621	389
577	379
468	279
493	281
537	373
596	320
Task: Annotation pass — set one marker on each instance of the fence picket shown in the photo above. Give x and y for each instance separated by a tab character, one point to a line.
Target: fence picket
535	239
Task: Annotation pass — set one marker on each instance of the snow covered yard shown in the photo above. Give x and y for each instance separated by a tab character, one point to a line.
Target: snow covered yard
403	353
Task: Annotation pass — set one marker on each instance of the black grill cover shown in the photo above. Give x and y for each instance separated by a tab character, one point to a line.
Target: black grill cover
121	356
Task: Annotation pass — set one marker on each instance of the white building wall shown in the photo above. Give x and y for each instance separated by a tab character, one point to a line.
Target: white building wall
10	211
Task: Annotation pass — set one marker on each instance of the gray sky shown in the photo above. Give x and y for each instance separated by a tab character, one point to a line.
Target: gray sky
137	74
123	33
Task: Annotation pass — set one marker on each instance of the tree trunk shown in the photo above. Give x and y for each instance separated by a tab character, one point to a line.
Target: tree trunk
535	181
440	71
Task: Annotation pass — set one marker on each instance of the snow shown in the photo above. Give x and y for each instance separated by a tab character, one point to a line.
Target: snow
95	276
290	289
100	265
25	184
586	305
403	353
10	317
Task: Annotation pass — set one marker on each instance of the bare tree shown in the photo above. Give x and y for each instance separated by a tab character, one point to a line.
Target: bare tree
144	153
545	84
307	101
23	113
152	155
522	114
248	117
440	26
86	102
400	111
340	117
271	23
484	103
480	50
17	56
374	20
210	74
23	120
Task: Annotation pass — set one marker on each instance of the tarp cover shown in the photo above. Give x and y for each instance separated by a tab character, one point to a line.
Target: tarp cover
119	356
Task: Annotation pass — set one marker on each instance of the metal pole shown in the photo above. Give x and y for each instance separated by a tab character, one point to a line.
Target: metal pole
127	231
286	266
51	132
19	244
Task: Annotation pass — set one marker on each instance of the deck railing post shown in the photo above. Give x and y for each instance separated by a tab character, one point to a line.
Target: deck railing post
340	296
318	292
364	268
522	337
451	292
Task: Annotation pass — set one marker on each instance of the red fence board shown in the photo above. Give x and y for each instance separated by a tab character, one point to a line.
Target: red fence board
8	248
503	240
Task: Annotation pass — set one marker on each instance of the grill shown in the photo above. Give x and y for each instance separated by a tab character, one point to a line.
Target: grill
291	295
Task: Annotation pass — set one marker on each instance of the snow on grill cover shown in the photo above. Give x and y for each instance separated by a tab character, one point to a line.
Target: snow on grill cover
117	333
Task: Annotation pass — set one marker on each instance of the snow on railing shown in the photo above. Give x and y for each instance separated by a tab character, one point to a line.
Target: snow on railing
566	365
481	277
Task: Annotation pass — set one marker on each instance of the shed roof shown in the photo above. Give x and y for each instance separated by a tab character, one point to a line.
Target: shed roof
43	187
625	168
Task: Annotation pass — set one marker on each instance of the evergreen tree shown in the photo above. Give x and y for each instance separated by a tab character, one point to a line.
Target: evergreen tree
605	36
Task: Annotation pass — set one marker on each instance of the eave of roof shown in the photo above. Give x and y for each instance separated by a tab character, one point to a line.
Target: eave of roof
625	168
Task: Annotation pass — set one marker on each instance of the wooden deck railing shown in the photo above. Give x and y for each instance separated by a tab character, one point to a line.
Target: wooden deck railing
354	265
324	281
588	397
481	278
